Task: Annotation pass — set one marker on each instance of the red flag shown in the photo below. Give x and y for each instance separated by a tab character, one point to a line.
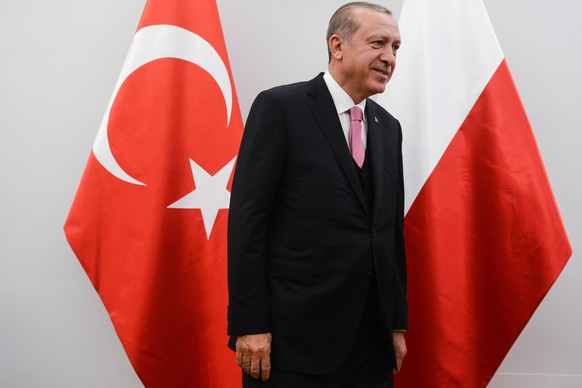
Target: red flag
484	237
148	222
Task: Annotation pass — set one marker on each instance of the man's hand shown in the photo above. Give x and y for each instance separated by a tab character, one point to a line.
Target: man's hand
253	355
399	349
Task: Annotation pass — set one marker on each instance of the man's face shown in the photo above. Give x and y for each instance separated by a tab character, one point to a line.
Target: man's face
369	58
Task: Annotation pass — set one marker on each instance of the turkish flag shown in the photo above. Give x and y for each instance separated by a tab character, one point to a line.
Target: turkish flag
148	222
484	237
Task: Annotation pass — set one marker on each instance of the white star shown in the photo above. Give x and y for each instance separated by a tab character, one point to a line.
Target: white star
210	194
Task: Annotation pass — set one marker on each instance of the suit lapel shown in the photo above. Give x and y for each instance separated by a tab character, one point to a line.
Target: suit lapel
376	154
327	118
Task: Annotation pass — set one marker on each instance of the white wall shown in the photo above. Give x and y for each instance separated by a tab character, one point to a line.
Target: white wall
59	62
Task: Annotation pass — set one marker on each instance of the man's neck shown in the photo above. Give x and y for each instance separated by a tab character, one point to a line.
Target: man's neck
342	82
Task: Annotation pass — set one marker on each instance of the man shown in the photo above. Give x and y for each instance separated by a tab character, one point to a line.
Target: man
317	272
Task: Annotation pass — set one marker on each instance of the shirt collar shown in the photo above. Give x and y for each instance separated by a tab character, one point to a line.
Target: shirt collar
342	101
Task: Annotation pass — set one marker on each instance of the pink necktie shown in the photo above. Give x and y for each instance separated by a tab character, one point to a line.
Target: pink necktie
355	136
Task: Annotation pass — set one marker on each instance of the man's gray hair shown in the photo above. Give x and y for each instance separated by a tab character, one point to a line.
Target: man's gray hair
342	22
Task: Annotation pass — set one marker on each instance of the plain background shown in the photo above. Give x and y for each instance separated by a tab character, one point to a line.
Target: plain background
59	61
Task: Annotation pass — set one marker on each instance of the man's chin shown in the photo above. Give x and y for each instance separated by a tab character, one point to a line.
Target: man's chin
379	89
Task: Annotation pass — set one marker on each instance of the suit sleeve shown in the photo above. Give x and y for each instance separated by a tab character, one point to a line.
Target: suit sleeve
400	321
259	166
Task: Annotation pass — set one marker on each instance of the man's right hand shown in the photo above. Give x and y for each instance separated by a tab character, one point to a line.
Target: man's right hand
253	354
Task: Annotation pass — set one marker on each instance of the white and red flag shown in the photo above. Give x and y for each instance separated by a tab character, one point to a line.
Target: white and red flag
148	222
484	237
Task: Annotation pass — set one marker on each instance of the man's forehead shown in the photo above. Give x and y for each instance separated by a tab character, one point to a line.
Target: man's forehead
381	28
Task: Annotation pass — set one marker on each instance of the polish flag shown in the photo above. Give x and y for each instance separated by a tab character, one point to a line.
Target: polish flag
484	237
148	222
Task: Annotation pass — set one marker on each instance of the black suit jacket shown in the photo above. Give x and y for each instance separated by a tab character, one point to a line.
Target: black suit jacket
302	243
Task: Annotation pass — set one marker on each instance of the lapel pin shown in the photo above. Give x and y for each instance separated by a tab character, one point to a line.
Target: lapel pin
376	119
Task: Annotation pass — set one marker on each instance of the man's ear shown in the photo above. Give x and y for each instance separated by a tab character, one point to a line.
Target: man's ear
336	45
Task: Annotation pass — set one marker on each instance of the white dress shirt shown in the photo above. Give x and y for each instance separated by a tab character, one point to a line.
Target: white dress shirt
343	103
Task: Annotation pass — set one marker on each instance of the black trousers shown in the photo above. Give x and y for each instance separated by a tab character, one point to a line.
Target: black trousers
367	365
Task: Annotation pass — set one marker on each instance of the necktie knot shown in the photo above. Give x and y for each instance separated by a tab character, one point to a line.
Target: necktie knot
355	114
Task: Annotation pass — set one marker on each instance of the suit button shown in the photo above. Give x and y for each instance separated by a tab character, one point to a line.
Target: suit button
368	275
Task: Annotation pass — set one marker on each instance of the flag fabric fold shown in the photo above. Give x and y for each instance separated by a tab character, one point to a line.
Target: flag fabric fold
148	223
484	237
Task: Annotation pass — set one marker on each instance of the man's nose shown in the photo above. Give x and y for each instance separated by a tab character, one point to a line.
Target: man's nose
389	55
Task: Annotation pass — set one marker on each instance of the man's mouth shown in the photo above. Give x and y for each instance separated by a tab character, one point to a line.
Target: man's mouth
385	71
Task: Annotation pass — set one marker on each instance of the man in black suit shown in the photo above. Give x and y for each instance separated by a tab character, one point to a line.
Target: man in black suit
317	268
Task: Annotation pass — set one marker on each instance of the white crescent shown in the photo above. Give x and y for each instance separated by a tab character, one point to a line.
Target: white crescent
156	42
